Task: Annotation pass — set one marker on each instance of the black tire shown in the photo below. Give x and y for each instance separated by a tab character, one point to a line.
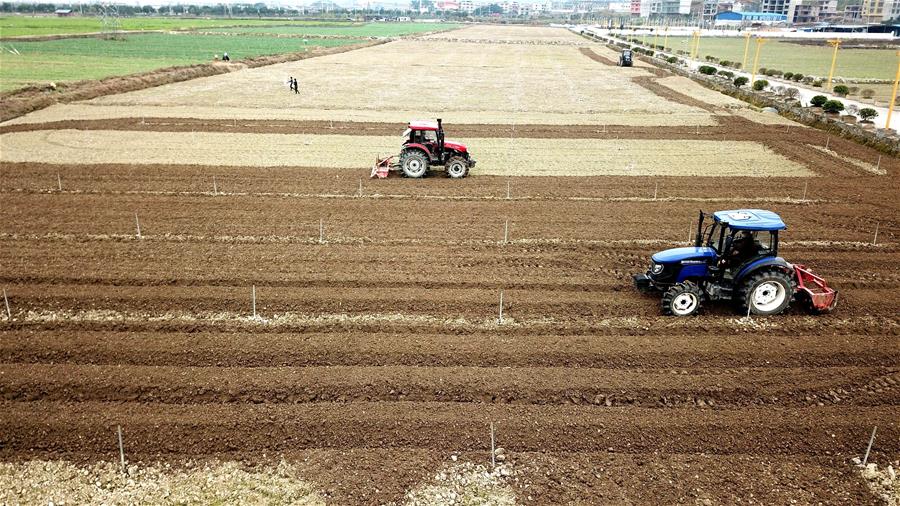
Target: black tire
682	299
413	163
767	292
457	167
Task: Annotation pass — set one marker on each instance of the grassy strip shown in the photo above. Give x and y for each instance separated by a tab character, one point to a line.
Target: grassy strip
789	57
14	26
367	30
79	59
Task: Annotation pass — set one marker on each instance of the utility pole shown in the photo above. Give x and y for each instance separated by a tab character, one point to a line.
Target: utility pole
893	97
759	42
836	43
747	36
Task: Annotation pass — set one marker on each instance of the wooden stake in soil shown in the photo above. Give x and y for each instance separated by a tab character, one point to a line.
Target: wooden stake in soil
875	239
58	182
6	302
253	297
500	319
805	187
321	231
359	191
506	232
137	224
507	190
655	191
121	448
690	232
493	448
878	165
871	440
215	186
827	141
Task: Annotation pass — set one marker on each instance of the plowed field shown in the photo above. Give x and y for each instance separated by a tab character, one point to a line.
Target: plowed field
373	350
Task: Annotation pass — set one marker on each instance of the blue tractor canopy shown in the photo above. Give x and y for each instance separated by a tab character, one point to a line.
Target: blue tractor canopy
750	219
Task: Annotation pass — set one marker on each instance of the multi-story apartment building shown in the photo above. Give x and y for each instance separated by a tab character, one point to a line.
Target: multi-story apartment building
876	11
802	11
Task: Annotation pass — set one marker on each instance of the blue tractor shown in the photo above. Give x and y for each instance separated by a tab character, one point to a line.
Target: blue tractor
734	258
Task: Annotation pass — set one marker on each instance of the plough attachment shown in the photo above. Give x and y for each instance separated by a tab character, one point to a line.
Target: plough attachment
382	167
815	290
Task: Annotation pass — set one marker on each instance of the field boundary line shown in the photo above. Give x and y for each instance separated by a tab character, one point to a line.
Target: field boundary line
402	196
347	240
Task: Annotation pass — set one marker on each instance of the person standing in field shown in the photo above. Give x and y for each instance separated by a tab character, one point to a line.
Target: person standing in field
296	86
225	57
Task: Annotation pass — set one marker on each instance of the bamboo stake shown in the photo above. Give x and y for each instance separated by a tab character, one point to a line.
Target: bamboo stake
655	191
121	448
254	300
215	186
875	239
58	182
805	187
493	448
506	232
6	302
871	440
321	231
137	224
500	320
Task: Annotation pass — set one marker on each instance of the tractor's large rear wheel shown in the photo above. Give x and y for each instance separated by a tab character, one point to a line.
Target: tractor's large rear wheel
682	299
457	167
768	292
413	163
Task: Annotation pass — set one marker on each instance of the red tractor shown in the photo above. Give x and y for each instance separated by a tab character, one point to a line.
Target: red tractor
424	146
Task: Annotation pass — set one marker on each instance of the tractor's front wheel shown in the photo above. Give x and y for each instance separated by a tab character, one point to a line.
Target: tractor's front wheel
768	292
413	163
682	299
457	167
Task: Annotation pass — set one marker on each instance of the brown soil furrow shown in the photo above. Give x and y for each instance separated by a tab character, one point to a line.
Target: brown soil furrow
438	221
544	386
334	183
629	349
651	85
208	430
596	57
463	307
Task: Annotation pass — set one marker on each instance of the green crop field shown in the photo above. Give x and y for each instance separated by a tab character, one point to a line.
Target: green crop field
805	59
13	26
366	30
94	58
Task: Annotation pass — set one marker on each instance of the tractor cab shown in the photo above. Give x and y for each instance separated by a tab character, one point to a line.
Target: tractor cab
734	257
625	58
740	238
426	133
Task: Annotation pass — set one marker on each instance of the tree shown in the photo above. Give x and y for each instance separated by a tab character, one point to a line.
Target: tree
841	90
788	75
672	59
792	93
818	101
833	106
707	70
760	84
740	81
797	78
867	113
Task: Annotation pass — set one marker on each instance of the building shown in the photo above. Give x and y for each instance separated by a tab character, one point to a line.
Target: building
876	11
63	13
802	11
467	6
732	18
811	11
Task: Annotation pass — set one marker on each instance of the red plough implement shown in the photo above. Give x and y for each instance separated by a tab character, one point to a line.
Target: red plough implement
821	298
382	167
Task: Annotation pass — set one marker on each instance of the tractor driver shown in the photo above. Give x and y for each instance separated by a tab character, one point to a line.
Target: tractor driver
743	248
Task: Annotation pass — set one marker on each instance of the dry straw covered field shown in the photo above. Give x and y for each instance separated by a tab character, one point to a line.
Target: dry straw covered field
207	266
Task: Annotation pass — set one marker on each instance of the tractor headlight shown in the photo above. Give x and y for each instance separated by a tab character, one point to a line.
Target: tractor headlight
656	268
